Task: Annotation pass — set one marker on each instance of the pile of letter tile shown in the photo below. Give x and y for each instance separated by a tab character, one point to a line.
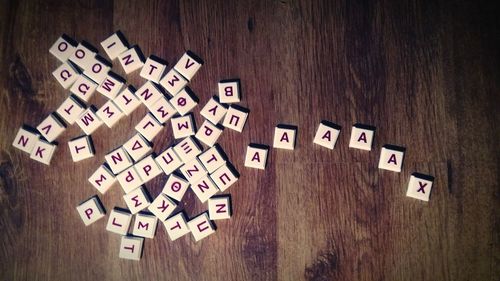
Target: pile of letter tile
187	164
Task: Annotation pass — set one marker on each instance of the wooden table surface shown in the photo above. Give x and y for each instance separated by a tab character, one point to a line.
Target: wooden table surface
426	75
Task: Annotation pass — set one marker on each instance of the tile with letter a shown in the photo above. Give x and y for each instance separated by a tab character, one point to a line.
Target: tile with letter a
175	187
229	91
391	158
43	151
213	111
88	121
327	134
213	158
145	225
168	161
98	69
176	226
183	126
63	48
70	109
184	101
91	210
284	137
204	188
153	69
114	45
256	156
81	148
209	133
187	149
149	94
138	147
219	207
362	137
83	88
66	74
102	179
118	160
137	200
201	226
26	139
51	127
131	247
173	82
126	100
420	186
149	127
131	60
236	118
162	207
188	65
119	221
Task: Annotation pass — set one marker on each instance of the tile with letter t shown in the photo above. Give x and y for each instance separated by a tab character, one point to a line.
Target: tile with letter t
201	226
327	134
219	207
71	109
184	101
204	188
153	68
114	45
131	247
88	121
149	127
126	100
66	74
81	148
102	179
63	48
163	110
168	161
51	127
26	139
137	200
129	179
175	187
176	226
119	221
83	88
131	60
173	82
111	85
43	151
91	210
209	133
162	206
420	186
229	91
188	65
187	149
145	225
183	126
83	55
118	160
225	176
236	118
109	113
213	110
391	158
138	147
148	169
285	136
213	158
256	156
362	137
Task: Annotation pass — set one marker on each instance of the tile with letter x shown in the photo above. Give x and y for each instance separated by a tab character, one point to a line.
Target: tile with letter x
420	186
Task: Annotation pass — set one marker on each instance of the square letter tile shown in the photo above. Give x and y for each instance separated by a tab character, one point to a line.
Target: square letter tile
391	158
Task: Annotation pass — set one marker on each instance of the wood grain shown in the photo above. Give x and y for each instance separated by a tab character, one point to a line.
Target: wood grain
424	73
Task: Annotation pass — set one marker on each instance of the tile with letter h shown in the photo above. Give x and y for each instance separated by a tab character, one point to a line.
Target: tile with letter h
229	91
119	221
420	186
145	225
256	156
285	136
391	158
219	207
81	148
327	134
201	226
131	247
91	210
362	137
176	226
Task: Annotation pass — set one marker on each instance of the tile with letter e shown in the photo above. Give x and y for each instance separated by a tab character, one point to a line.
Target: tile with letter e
162	206
391	158
188	65
236	118
91	210
111	85
176	226
118	160
149	127
83	88
219	207
327	134
71	109
114	45
129	179
63	48
175	187
256	156
362	137
201	226
66	74
119	221
213	110
184	101
285	136
187	149
26	139
102	179
88	121
168	161
131	60
81	148
229	91
126	100
420	186
145	225
153	69
137	200
204	188
137	147
209	133
183	126
109	113
131	248
173	82
43	151
51	127
225	176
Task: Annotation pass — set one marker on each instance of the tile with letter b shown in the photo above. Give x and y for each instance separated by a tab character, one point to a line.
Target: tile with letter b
229	91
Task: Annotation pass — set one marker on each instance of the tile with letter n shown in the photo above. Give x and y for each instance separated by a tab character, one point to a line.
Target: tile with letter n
219	207
132	59
26	139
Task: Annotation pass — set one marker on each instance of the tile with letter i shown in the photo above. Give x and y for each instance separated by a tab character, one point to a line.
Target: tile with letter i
63	48
138	147
188	65
391	158
225	176
91	210
184	101
119	221
118	160
213	158
204	188
88	121
236	118
362	137
148	169
420	186
81	148
102	179
137	200
149	127
163	110
111	85
145	225
209	133
126	100
229	91
51	127
129	179
114	45
327	134
175	187
83	55
256	156
285	136
26	139
71	109
201	226
109	113
131	60
66	74
187	149
83	88
183	126
173	82
162	206
176	226
213	110
43	151
168	161
153	69
219	207
131	247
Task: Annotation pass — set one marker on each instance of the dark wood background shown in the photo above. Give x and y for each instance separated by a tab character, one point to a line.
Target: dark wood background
425	73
